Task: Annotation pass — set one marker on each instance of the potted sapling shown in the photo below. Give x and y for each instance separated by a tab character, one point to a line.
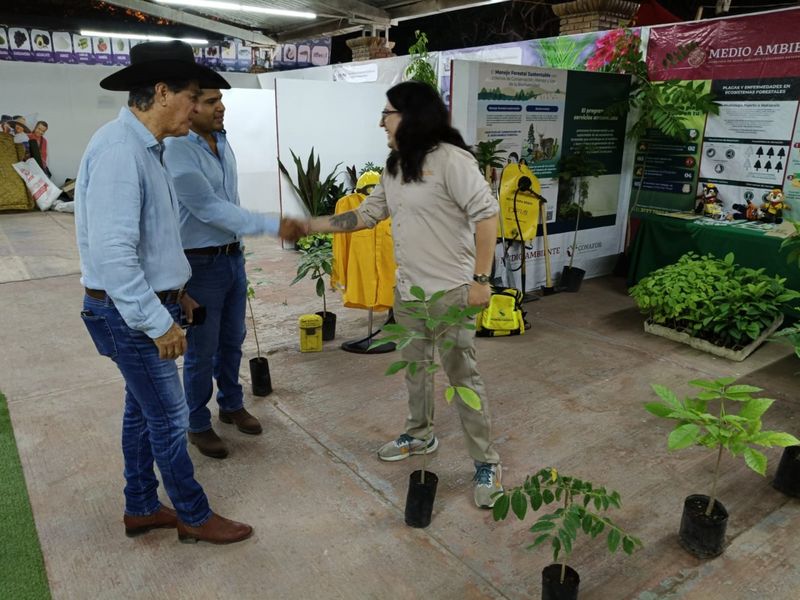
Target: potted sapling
489	158
575	171
261	381
316	262
581	509
787	477
437	322
705	519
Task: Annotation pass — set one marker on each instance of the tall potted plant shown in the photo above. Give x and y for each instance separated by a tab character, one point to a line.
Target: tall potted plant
260	379
316	261
663	106
314	191
574	170
787	476
422	483
709	420
581	508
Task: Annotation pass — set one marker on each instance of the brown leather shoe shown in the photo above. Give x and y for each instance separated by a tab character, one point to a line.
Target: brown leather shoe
163	518
209	443
217	530
244	421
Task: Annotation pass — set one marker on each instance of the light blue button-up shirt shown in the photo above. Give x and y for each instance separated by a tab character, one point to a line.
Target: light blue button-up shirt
208	195
126	222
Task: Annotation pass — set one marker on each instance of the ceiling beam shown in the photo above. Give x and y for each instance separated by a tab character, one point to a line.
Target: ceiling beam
184	18
354	8
308	32
424	8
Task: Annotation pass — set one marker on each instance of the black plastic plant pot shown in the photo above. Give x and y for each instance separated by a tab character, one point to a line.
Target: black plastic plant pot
553	589
571	279
701	535
787	477
259	375
419	501
328	325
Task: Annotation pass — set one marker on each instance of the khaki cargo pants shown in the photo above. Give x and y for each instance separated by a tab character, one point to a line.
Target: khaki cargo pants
459	364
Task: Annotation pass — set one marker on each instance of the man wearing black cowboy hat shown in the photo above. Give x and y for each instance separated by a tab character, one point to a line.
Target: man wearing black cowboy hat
134	271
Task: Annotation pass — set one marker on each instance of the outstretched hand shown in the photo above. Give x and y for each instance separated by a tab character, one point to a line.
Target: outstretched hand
292	230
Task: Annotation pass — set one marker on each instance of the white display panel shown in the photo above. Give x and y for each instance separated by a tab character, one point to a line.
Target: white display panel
250	124
338	120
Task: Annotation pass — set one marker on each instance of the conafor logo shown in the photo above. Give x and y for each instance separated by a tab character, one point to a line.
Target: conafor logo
584	248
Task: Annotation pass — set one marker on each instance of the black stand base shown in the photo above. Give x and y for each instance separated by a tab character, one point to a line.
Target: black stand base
363	346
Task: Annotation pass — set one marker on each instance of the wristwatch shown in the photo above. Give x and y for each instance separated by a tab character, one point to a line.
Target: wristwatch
481	278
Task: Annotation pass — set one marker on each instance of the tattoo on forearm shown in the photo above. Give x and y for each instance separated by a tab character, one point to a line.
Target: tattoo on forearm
345	221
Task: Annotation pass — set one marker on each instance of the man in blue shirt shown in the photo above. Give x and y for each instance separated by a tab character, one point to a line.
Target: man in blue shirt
203	169
134	272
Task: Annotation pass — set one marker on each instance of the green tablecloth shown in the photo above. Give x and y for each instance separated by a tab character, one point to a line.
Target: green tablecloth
662	240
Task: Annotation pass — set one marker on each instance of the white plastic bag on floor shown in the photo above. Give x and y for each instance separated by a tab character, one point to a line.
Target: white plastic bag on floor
43	190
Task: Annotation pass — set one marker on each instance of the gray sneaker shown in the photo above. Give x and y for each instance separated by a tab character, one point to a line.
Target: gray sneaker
487	484
405	446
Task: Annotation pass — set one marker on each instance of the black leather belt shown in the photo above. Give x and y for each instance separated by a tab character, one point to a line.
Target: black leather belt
232	248
166	297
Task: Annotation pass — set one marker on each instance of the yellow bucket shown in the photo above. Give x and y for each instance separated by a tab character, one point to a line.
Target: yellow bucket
310	333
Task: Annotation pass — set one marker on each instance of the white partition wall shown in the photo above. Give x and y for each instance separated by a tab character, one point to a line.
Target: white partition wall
250	124
338	120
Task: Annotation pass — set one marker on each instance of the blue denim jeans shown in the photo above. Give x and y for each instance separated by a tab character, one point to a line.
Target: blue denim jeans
215	348
155	419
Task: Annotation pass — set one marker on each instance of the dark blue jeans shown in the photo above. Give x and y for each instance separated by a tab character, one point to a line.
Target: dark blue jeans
156	416
215	348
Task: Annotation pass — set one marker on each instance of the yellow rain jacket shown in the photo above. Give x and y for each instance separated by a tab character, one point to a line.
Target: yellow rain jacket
363	262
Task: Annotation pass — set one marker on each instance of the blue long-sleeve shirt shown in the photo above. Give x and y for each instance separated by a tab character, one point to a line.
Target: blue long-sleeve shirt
126	222
206	184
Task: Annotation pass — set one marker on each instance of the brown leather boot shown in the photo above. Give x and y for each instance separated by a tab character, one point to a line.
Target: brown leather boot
163	518
244	421
209	443
217	530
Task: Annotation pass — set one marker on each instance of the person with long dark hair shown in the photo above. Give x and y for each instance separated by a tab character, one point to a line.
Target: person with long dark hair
444	223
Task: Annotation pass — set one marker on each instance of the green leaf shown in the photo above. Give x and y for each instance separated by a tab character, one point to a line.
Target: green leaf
449	393
756	461
658	409
542	538
500	508
613	540
628	545
754	408
396	366
519	504
774	438
743	389
667	395
412	368
320	287
431	369
469	397
683	436
541	525
536	500
556	544
547	496
417	292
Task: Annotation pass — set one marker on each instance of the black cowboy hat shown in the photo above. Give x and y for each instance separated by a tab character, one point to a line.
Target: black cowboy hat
152	62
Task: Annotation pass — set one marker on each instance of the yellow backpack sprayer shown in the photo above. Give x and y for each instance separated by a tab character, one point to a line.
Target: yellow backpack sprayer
521	207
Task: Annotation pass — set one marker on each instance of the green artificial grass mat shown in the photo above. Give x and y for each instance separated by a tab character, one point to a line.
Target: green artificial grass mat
22	574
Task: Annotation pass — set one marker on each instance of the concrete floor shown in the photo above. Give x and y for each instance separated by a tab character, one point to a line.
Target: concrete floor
328	515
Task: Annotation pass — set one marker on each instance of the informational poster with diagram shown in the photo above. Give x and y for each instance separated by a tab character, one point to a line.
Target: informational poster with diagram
746	147
524	107
752	147
541	115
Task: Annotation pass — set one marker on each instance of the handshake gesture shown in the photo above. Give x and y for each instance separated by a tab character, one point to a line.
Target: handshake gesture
292	230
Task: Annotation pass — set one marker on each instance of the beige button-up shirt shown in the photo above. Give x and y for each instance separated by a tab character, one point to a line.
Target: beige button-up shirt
432	220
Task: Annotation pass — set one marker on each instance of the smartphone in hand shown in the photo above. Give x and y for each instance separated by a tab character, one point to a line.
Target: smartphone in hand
198	317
